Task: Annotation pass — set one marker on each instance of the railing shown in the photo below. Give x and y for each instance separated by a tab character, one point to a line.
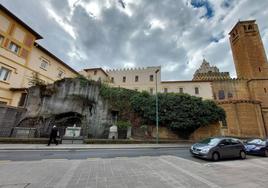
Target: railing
28	132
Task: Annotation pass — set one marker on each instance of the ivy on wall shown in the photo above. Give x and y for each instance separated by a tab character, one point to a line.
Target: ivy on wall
181	113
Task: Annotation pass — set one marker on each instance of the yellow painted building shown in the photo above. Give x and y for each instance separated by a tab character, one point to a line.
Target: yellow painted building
23	61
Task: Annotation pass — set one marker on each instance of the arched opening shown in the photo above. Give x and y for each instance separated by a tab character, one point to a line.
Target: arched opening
68	119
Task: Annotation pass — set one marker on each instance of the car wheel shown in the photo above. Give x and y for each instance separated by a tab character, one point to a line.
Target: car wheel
266	153
243	155
215	156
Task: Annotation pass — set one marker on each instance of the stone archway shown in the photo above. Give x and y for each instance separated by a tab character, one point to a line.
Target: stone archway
68	119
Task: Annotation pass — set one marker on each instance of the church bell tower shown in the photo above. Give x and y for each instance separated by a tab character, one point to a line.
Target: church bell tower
248	51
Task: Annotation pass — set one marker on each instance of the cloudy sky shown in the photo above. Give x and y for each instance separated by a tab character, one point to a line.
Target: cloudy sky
176	34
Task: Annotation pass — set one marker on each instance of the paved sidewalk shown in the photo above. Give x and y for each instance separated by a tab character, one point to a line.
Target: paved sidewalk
138	172
87	146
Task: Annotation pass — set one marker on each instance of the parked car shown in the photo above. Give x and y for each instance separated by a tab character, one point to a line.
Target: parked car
217	148
257	147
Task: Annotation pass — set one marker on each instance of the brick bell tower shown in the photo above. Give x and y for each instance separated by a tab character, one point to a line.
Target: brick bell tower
248	51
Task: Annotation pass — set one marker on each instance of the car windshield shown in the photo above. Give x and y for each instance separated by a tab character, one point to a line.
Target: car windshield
210	141
257	141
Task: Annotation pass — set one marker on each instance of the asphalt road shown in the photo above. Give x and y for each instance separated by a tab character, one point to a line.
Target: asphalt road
32	155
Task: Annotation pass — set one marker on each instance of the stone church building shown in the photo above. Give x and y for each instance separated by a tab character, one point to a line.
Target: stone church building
244	99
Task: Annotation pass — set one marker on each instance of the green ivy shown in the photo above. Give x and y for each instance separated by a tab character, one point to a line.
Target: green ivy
181	113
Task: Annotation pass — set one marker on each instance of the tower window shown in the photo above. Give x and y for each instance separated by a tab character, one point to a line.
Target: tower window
112	79
181	90
196	90
250	27
165	90
259	69
124	79
265	90
95	72
136	78
233	35
230	95
151	78
1	39
221	95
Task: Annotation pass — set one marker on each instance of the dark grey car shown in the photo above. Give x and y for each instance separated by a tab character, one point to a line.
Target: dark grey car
216	148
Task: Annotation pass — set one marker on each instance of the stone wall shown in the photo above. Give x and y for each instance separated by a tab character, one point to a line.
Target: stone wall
207	131
233	89
265	119
259	90
244	118
9	116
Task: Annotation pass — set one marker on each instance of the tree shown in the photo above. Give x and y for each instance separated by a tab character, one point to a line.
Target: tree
181	113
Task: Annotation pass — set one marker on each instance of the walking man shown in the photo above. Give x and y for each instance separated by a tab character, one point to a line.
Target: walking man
53	135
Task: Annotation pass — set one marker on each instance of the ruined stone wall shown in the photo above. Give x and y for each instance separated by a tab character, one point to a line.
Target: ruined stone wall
73	99
244	118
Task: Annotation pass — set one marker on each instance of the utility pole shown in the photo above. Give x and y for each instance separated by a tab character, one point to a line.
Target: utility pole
156	108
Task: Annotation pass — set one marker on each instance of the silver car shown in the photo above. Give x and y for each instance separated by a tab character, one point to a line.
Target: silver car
217	148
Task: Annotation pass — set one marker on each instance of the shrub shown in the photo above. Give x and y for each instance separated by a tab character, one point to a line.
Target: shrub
123	124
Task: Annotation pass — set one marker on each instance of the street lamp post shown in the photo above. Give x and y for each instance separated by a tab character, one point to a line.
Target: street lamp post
156	107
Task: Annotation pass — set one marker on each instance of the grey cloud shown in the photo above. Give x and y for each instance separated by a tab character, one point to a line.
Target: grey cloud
117	38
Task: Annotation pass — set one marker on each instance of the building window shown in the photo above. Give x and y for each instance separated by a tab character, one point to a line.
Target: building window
181	90
4	73
265	90
60	74
259	69
165	90
136	78
1	39
14	47
112	79
22	99
214	96
221	95
151	90
44	64
95	72
124	79
196	90
151	78
230	95
250	27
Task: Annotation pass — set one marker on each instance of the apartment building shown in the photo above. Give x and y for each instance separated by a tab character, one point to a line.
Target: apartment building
22	59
